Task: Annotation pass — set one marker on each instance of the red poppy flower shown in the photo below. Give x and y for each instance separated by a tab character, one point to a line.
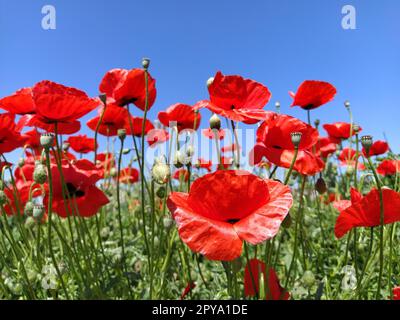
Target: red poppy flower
226	162
312	94
274	142
10	138
114	119
227	207
17	199
339	130
396	293
388	167
378	147
80	177
129	87
204	164
32	140
58	104
137	126
264	164
183	115
4	164
348	158
237	98
252	276
82	144
325	147
129	175
210	133
156	136
21	102
181	175
365	211
105	161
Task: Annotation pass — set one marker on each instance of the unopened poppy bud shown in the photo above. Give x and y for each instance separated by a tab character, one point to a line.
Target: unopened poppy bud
320	186
308	278
278	106
161	173
356	128
47	140
190	151
126	151
3	197
215	122
161	192
28	210
65	146
113	172
316	123
347	104
210	81
296	138
145	63
168	222
21	162
38	211
366	142
179	160
122	134
40	174
103	98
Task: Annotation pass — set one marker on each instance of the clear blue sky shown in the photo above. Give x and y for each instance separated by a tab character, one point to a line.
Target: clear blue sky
277	42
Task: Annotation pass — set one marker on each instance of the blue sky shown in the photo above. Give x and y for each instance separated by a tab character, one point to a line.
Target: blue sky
278	43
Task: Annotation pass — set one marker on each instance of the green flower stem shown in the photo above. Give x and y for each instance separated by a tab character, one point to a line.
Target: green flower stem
296	152
96	132
237	144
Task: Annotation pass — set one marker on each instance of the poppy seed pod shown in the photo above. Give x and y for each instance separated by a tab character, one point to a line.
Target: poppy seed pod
356	128
145	63
210	81
28	210
316	123
121	134
320	186
347	104
296	138
65	146
38	211
47	140
367	142
40	174
161	173
215	122
3	197
278	106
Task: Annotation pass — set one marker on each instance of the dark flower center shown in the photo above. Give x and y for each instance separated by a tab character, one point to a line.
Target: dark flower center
232	221
73	191
309	106
232	107
277	147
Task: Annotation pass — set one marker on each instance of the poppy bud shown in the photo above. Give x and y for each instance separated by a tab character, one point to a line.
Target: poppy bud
308	278
28	210
21	162
320	186
113	172
210	81
278	106
161	173
40	174
38	211
103	98
215	122
65	146
347	104
316	123
366	142
161	192
168	222
350	171
122	134
296	138
145	63
190	151
3	197
47	140
179	160
356	128
126	151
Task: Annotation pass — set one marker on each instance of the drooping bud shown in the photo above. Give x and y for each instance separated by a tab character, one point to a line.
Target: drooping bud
126	151
28	210
320	186
40	174
47	140
65	146
210	81
161	172
122	134
38	212
367	142
145	63
296	138
3	197
215	122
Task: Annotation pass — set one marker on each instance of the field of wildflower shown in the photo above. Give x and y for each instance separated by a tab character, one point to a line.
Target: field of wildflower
307	211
